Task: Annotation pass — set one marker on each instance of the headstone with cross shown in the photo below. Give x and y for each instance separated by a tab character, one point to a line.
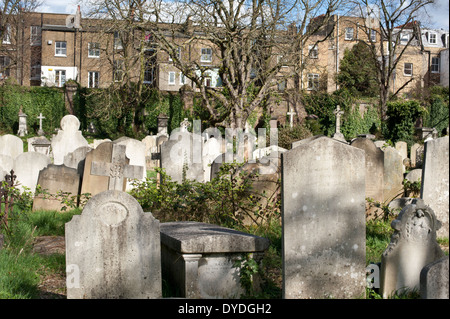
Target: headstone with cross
338	135
118	170
291	117
40	118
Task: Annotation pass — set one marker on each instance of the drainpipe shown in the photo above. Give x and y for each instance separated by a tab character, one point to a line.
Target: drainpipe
337	49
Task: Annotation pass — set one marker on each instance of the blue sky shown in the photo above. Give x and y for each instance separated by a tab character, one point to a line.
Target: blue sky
439	13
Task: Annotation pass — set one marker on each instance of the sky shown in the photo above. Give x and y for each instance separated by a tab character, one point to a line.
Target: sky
438	13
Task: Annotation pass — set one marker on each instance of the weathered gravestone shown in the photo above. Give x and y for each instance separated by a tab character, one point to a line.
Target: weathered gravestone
413	155
27	167
11	145
6	165
434	280
77	158
393	174
374	170
402	148
413	245
135	152
107	168
435	181
211	149
181	156
113	250
56	181
68	139
199	260
323	213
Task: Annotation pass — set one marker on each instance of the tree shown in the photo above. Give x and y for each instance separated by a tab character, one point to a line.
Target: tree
389	19
357	71
257	44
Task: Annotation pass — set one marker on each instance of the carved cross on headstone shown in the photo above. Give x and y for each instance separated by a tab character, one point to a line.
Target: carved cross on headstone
40	131
338	114
117	170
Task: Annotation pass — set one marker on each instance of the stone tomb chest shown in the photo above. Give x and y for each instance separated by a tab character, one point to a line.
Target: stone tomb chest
199	259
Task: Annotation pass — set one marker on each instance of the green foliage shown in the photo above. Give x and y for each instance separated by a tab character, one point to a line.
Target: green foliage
354	124
402	116
33	101
437	109
357	71
288	135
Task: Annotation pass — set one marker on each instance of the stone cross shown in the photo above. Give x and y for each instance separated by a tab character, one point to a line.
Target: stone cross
40	131
338	114
291	118
117	170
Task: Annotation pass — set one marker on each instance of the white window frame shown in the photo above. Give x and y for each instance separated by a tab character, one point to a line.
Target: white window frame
434	36
349	33
171	78
313	52
206	55
7	35
404	37
182	78
59	49
95	80
435	67
118	45
372	35
94	47
207	81
60	77
35	35
313	78
407	70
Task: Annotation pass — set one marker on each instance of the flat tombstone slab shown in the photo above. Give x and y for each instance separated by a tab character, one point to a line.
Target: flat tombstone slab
413	245
54	179
27	167
323	211
435	181
198	259
113	250
434	280
11	145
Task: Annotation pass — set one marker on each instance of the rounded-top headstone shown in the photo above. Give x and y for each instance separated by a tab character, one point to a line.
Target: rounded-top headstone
70	123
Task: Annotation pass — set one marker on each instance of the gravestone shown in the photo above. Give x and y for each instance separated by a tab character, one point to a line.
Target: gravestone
77	158
54	179
6	165
435	180
27	167
113	250
40	131
434	280
323	214
181	157
338	135
393	174
211	149
135	152
68	139
374	170
198	259
413	155
11	145
413	245
41	145
402	148
23	129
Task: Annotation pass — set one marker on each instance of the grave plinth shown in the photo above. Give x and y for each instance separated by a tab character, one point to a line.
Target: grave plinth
199	259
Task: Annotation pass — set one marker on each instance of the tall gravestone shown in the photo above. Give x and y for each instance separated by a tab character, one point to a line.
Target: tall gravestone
113	250
393	174
413	245
323	211
135	152
435	181
374	169
27	167
11	145
68	139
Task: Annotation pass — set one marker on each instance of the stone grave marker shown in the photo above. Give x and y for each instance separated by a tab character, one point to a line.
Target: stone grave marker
435	180
11	145
113	250
6	165
68	139
211	149
135	152
27	167
374	170
77	158
413	155
323	214
393	174
402	148
198	259
54	179
23	129
413	245
434	280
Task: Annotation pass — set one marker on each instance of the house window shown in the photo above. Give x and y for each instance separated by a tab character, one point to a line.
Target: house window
206	55
118	70
93	79
207	82
408	69
313	81
182	79
349	33
4	67
178	54
313	52
61	48
93	50
404	38
373	35
7	35
432	38
118	45
35	37
435	65
60	77
171	78
35	72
